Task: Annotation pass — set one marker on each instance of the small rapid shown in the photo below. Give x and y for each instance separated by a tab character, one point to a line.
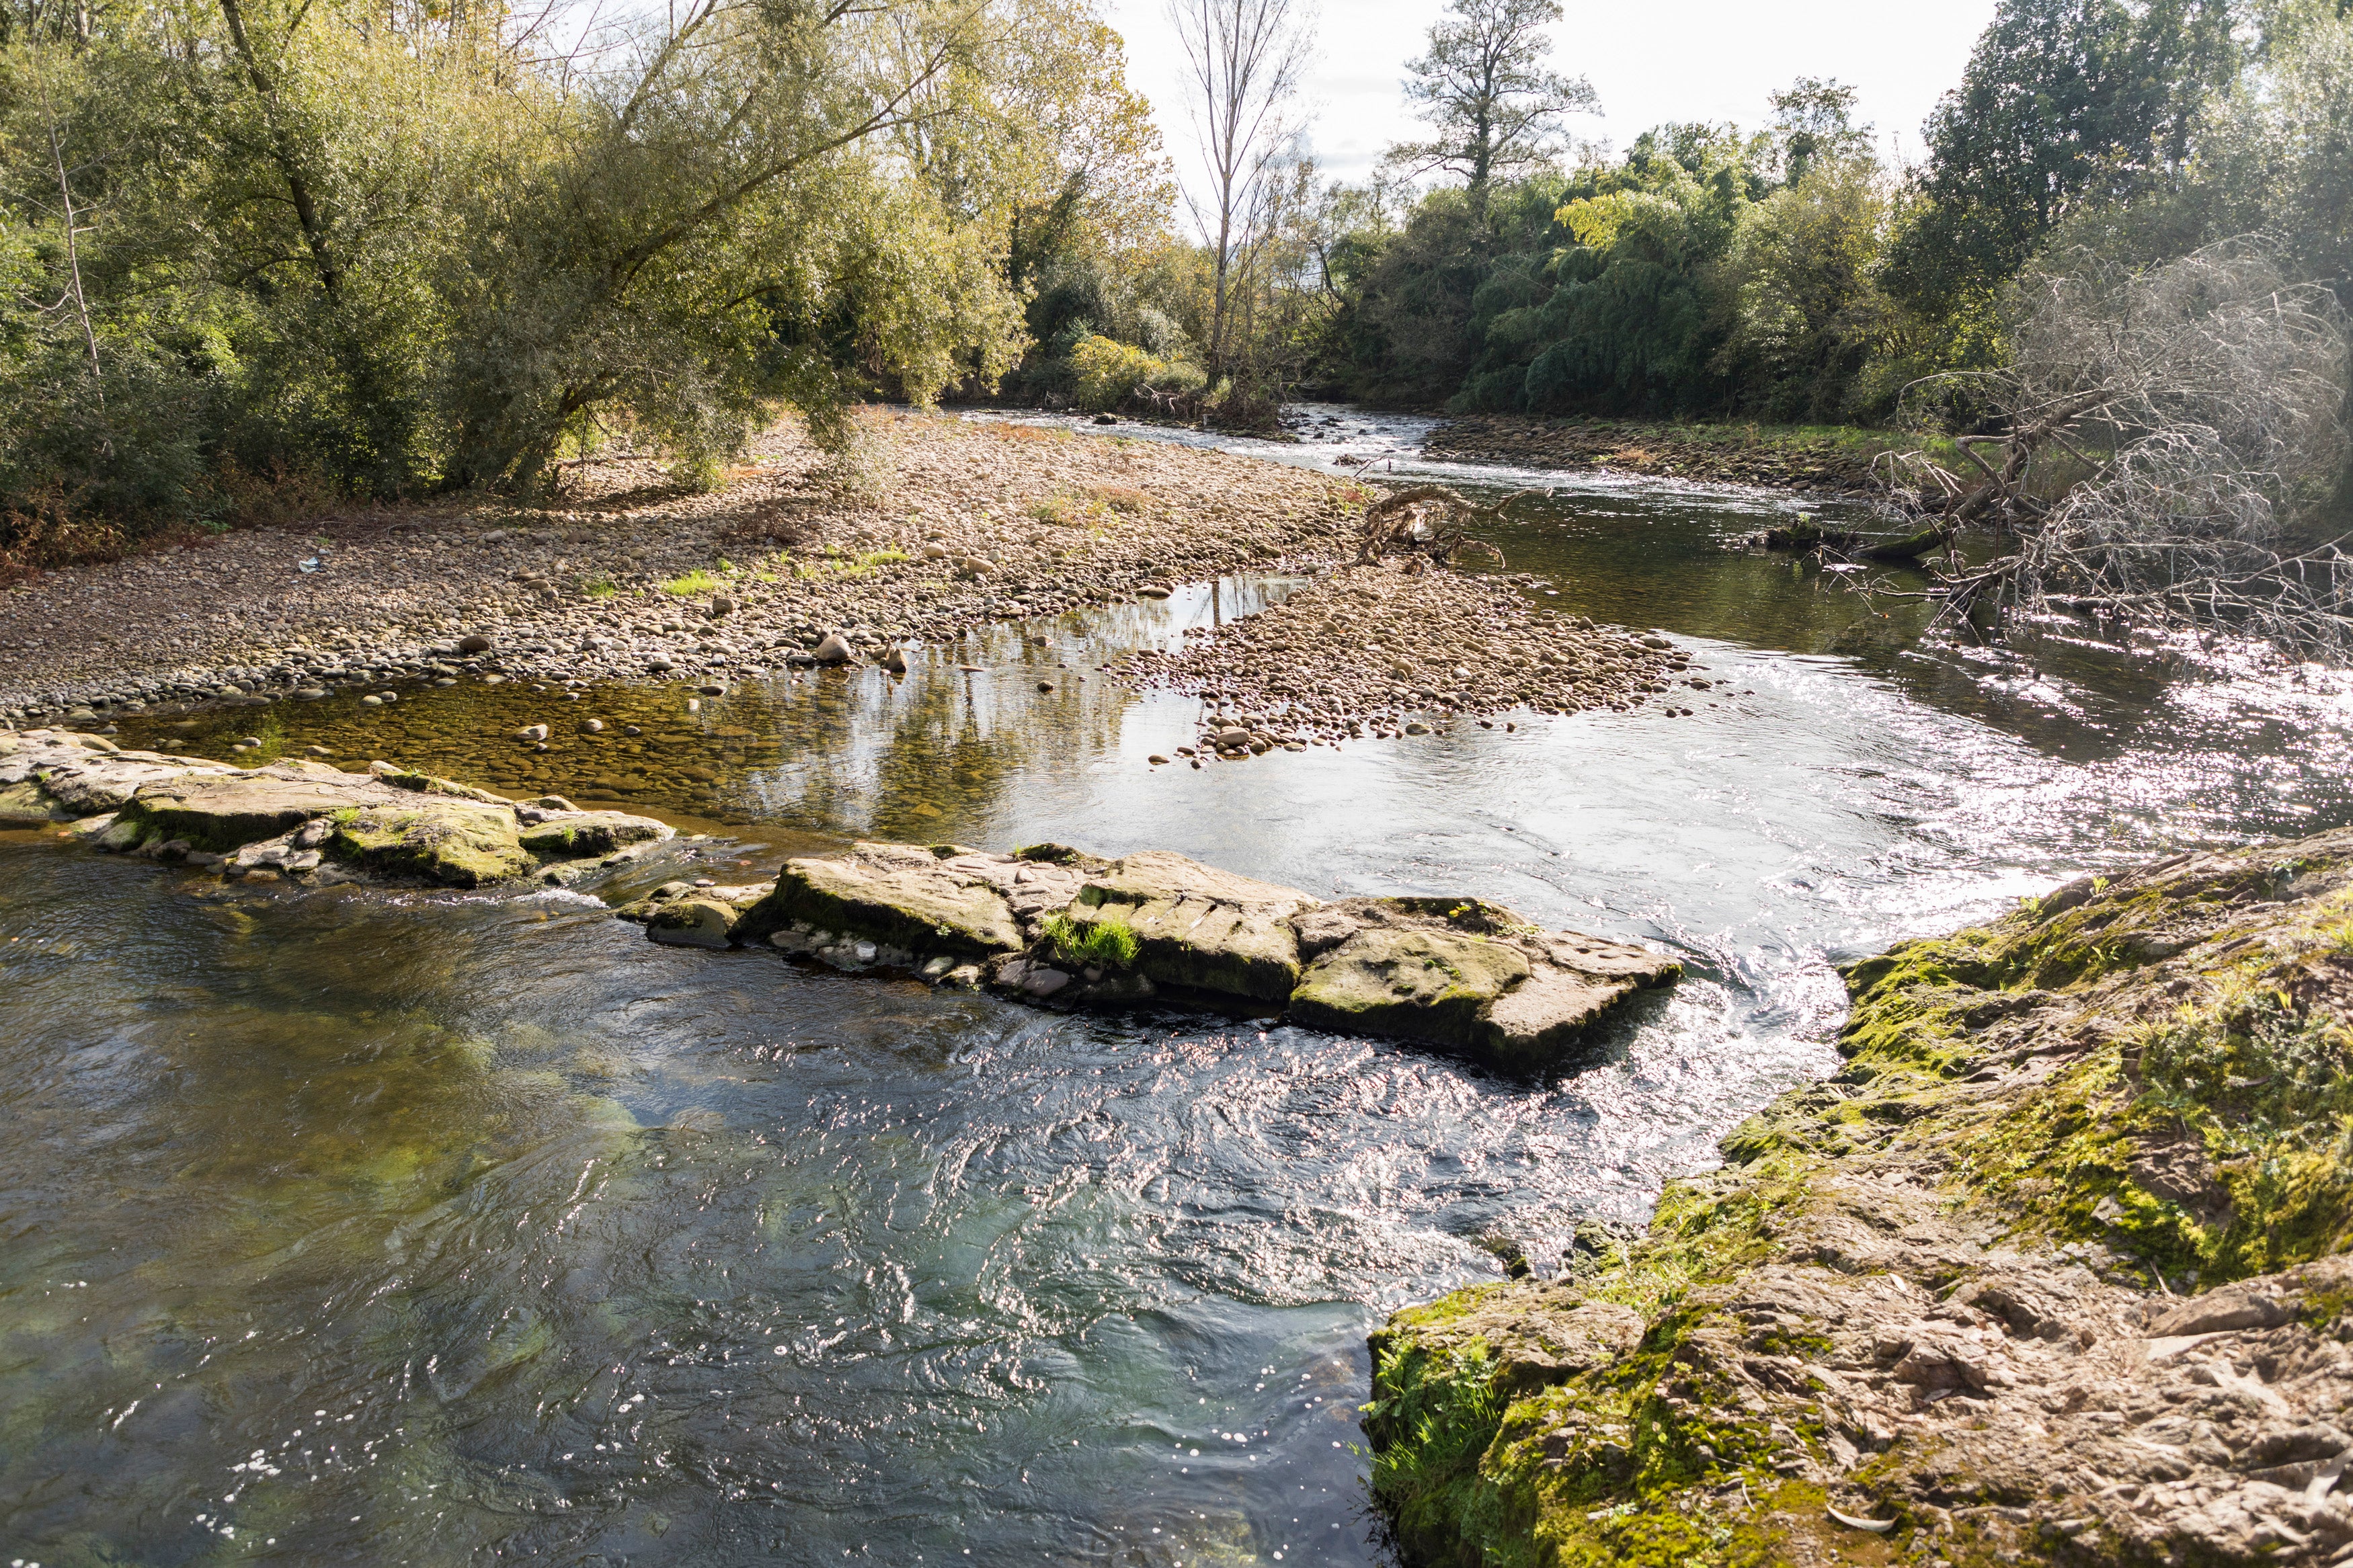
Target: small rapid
424	1227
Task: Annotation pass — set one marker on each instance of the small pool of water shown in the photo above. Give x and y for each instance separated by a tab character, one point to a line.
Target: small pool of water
355	1226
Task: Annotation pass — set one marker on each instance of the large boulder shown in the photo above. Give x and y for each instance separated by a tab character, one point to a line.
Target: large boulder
1461	974
457	843
1196	927
900	896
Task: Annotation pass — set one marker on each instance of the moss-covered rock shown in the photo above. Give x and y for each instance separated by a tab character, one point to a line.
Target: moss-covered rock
26	803
455	843
576	834
416	783
1949	1291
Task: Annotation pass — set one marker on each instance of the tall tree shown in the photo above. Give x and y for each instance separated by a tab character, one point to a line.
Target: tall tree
1484	90
1242	59
2063	101
1813	121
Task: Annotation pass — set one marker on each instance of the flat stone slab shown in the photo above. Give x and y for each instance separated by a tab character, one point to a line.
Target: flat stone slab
901	896
1046	921
1197	927
59	775
1461	975
1467	975
220	812
293	816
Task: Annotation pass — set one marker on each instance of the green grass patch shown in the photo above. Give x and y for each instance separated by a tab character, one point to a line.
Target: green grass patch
1104	942
695	582
835	564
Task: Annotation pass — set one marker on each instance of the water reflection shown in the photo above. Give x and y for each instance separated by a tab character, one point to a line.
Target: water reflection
353	1226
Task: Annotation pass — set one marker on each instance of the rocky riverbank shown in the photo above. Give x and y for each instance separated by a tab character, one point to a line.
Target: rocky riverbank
1387	650
2053	1272
1837	463
1046	921
300	820
937	526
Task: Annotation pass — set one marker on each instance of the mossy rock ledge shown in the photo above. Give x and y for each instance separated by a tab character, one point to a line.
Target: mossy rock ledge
298	820
2055	1271
1048	920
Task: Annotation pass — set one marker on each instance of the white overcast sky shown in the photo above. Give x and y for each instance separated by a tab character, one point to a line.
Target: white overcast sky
1649	61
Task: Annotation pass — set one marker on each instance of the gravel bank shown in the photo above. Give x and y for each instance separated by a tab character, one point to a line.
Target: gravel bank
1386	650
945	525
1727	453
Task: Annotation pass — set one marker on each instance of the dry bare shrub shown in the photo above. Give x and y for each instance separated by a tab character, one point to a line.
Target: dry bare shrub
862	457
2201	406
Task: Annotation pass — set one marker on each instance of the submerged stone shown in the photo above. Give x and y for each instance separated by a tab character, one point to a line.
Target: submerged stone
695	920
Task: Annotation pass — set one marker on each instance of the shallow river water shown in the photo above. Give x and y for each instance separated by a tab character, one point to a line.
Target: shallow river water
346	1226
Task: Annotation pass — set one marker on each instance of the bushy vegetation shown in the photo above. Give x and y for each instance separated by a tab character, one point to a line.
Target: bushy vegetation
1790	273
269	247
1106	374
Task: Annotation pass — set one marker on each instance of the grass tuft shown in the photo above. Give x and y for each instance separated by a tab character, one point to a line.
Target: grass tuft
1104	942
695	582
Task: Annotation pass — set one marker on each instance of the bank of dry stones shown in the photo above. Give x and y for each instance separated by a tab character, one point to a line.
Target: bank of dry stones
1387	650
1721	454
945	525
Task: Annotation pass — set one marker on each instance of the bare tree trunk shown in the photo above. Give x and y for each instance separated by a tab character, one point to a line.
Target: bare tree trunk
298	189
1242	59
73	246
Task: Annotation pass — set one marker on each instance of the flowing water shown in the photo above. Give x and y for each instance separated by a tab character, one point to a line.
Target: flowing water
348	1227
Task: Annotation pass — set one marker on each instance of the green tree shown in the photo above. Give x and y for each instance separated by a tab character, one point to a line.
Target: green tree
1485	91
2063	102
1803	274
1813	122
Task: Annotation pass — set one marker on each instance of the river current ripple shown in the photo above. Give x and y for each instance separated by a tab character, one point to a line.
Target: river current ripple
346	1226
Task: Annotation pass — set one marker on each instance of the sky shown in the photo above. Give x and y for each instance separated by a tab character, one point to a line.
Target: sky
1649	61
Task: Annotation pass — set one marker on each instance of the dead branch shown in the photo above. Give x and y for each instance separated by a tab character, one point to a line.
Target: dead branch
2215	388
1432	521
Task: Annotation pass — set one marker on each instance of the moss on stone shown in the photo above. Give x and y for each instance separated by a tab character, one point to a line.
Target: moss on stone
2191	1013
456	844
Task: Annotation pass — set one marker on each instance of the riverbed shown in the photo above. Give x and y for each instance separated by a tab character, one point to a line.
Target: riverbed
348	1226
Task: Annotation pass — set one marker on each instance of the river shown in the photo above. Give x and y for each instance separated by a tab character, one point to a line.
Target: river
348	1227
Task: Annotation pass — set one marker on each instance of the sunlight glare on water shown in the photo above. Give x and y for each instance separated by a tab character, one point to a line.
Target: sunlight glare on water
349	1225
